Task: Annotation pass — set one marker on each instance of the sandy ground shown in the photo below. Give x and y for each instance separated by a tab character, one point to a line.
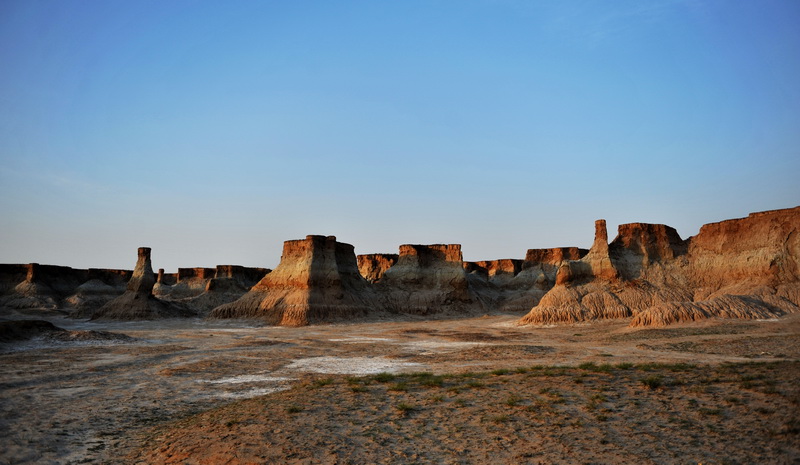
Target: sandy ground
190	391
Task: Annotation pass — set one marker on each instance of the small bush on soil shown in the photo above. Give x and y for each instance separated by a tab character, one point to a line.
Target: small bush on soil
322	382
400	387
384	377
402	407
653	382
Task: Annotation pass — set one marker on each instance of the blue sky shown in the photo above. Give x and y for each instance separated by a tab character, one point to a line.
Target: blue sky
214	131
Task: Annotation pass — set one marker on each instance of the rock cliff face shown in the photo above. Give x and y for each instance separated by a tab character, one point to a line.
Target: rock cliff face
742	268
373	266
47	288
316	280
229	283
536	277
428	279
138	302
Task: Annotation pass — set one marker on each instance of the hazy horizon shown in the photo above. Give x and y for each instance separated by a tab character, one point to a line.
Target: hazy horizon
213	132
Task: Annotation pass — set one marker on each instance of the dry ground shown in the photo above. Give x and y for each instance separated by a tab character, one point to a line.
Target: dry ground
187	391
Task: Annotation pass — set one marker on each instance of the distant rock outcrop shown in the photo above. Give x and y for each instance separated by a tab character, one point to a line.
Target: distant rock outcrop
536	277
35	288
428	279
230	282
138	302
742	268
317	280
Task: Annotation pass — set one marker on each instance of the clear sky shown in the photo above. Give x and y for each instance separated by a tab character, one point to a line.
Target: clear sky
214	131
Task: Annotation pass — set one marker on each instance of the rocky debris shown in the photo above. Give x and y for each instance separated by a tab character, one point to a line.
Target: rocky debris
317	280
428	279
138	302
373	266
742	268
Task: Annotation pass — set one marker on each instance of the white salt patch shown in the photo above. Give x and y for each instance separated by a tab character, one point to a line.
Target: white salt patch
770	320
361	340
251	392
442	346
245	379
349	366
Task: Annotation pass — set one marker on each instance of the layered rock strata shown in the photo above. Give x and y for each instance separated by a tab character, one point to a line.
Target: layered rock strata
317	280
138	301
428	279
536	278
742	268
229	283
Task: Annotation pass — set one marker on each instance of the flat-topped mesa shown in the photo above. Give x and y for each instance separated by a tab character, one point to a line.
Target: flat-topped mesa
317	280
373	266
138	302
428	279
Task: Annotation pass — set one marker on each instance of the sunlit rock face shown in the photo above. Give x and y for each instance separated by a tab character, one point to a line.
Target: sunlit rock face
740	268
373	266
317	280
138	302
428	279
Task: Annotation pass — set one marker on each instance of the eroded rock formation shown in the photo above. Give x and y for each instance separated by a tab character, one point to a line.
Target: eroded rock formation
316	280
46	288
373	266
428	279
138	302
743	268
229	283
536	278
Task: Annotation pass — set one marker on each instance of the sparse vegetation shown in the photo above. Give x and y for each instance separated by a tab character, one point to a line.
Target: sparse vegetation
318	383
293	409
399	387
653	382
404	408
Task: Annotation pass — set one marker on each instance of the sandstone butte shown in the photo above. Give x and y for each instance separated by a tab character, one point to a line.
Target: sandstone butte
739	268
